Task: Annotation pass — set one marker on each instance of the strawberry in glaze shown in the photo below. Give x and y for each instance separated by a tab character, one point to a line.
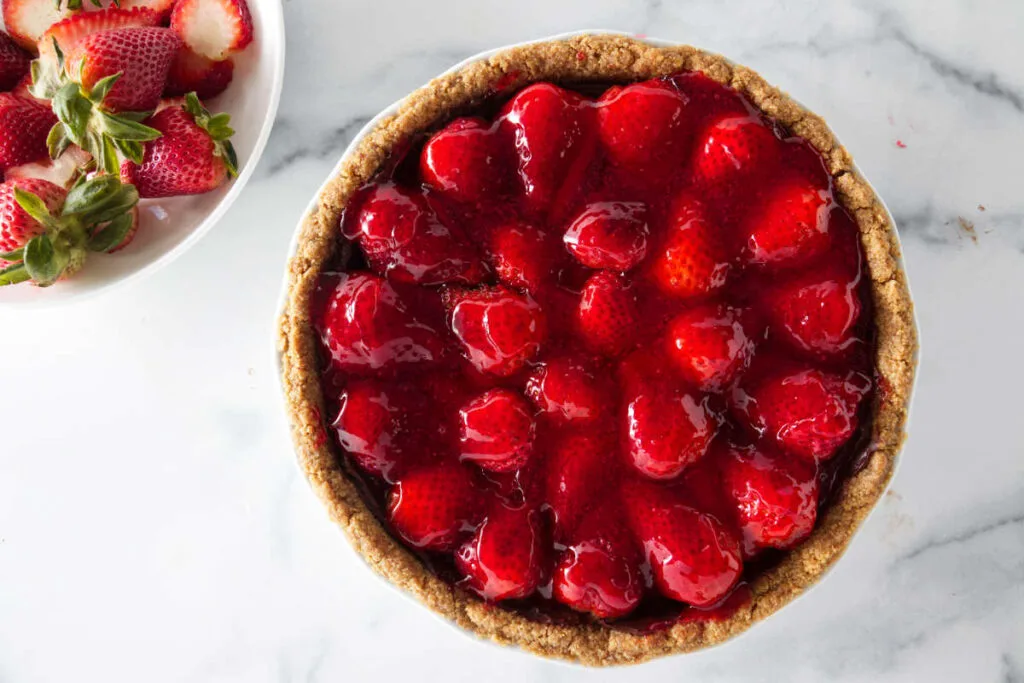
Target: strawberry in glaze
497	431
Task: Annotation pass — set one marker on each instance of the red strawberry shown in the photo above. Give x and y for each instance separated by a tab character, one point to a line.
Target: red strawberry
692	259
599	572
17	227
497	431
579	471
554	134
467	162
818	311
693	557
24	90
366	328
433	506
26	20
646	129
709	345
708	99
71	32
500	330
610	235
405	239
732	149
567	389
191	72
667	430
215	29
806	412
14	62
162	8
523	256
193	155
505	559
775	498
24	125
607	316
789	225
375	422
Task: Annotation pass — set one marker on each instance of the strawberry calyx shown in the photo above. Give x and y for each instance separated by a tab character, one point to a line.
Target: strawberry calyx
96	217
84	120
219	129
77	4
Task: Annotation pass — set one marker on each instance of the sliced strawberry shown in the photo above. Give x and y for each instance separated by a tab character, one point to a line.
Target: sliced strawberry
788	226
27	20
376	424
466	161
646	129
500	330
554	133
693	557
817	312
367	328
497	431
611	235
775	498
568	389
806	412
506	557
579	471
24	126
599	572
404	238
607	317
692	260
734	149
432	507
523	255
215	29
709	346
191	72
667	430
14	62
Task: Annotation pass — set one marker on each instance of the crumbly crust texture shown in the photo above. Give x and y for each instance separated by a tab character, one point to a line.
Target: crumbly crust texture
595	58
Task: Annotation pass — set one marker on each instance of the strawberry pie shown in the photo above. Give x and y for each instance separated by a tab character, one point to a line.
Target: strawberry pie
599	348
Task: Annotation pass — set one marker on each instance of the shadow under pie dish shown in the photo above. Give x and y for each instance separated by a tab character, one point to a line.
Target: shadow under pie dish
598	347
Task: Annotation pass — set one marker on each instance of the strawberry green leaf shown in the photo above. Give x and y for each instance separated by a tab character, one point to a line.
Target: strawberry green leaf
124	129
33	206
91	193
74	111
57	141
112	234
110	161
217	127
103	87
131	150
14	274
136	116
43	262
16	255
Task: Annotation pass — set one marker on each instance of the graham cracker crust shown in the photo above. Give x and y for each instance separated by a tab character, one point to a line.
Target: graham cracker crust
596	58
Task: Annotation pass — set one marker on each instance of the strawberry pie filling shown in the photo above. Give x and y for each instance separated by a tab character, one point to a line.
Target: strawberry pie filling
600	353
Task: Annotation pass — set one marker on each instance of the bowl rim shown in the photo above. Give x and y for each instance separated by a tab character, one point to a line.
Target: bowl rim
391	110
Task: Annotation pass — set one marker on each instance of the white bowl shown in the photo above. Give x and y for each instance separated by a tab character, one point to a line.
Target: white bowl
171	226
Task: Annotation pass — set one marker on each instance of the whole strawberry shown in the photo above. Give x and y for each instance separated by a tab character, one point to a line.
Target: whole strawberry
569	389
24	125
505	558
667	430
692	260
467	162
607	315
432	506
497	430
610	235
14	62
710	346
194	154
580	470
499	330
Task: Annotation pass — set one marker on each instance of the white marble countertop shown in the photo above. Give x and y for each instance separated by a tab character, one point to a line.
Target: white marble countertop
154	528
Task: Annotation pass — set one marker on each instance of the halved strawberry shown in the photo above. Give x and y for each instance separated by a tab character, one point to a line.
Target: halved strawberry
24	126
433	506
14	62
497	430
215	29
666	430
607	316
506	557
499	329
611	235
27	20
192	72
709	345
692	259
789	225
467	162
569	389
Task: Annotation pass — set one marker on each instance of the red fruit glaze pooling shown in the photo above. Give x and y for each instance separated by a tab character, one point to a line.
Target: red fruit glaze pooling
605	351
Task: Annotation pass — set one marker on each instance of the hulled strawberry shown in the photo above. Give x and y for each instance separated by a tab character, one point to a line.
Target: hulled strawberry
579	471
215	29
599	571
499	330
805	411
505	559
693	557
46	232
404	238
191	72
568	389
607	315
610	235
497	431
692	259
645	128
466	161
732	149
24	125
193	154
522	255
709	346
774	498
366	327
788	226
553	132
14	62
433	506
666	430
27	20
